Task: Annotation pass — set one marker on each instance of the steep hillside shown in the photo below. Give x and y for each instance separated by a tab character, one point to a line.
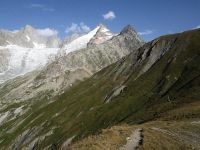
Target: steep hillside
159	81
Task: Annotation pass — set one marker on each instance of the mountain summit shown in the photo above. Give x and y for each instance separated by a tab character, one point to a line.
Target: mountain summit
26	50
77	62
103	34
28	37
28	29
96	36
130	32
150	91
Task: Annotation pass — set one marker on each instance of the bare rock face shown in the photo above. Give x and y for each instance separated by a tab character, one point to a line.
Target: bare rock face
64	71
155	52
84	63
4	59
114	93
102	35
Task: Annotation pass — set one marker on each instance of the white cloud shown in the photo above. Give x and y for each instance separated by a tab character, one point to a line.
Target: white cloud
47	32
109	16
146	32
42	7
15	31
74	28
77	28
48	9
84	27
37	6
197	27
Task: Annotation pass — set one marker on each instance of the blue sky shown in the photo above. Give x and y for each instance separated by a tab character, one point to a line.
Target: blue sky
151	18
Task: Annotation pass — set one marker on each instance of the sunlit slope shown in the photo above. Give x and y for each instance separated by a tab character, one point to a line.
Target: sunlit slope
161	76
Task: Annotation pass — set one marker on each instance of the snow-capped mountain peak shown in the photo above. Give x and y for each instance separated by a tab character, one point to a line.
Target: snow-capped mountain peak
80	42
103	34
27	50
102	27
28	29
26	37
98	35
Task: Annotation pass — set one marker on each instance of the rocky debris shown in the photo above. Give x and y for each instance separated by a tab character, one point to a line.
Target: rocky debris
134	141
25	137
195	122
15	125
4	59
155	51
114	93
33	144
18	110
67	143
3	117
144	57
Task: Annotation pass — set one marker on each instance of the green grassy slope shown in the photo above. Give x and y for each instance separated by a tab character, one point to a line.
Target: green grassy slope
172	82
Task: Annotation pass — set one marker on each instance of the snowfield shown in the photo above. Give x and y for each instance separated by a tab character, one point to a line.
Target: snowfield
80	42
23	60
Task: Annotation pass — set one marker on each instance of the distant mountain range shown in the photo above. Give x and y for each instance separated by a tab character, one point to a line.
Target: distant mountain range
26	50
28	37
75	60
101	91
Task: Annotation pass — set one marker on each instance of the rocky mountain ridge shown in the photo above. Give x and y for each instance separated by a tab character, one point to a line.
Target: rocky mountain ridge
155	88
28	37
65	70
26	50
